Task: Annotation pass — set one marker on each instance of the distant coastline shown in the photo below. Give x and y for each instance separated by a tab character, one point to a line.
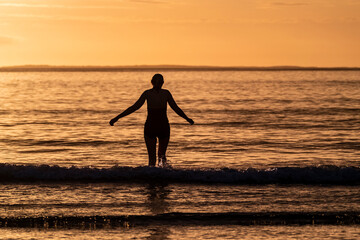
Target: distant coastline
49	68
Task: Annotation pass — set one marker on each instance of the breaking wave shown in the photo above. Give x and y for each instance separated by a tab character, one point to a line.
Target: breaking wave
232	218
282	175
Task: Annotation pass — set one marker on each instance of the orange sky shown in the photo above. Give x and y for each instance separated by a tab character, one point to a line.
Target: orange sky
322	33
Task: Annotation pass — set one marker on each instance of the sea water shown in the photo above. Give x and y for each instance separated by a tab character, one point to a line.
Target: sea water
272	154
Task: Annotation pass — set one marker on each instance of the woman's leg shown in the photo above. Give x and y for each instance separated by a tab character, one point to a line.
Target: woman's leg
163	143
151	148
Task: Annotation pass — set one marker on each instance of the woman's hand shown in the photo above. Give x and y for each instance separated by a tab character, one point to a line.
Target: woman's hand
190	121
112	121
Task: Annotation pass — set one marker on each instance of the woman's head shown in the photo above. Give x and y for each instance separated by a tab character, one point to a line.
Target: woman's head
157	81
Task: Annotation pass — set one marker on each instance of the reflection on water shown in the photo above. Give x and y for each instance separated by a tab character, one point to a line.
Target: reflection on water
157	201
157	197
243	119
192	232
159	233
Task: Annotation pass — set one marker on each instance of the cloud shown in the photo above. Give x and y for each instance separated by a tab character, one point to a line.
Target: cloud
289	4
148	1
27	5
6	40
109	19
61	18
279	4
105	4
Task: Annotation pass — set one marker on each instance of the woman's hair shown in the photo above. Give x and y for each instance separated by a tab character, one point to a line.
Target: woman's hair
157	80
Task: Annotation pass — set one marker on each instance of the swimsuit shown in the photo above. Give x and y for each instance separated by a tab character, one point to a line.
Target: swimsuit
157	123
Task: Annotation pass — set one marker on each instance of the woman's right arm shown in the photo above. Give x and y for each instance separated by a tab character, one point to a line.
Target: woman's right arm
138	104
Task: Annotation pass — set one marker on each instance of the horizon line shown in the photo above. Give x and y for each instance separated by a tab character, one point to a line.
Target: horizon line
164	67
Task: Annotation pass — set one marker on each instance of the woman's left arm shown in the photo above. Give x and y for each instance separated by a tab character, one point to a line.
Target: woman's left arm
177	109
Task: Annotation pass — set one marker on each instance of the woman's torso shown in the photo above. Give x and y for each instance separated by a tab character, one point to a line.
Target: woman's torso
157	105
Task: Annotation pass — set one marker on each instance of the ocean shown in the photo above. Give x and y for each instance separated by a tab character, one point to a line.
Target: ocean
272	155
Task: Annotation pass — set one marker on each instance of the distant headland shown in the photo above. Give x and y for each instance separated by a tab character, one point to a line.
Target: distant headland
51	68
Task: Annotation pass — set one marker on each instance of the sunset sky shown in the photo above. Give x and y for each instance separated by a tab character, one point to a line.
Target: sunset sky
323	33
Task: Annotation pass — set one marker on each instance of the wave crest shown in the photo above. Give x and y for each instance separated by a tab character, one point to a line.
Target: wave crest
228	218
282	175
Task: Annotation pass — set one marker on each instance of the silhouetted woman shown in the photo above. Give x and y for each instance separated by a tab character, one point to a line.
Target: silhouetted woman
157	124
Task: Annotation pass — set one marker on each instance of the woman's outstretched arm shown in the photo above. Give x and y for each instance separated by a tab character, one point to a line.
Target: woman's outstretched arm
130	110
178	110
